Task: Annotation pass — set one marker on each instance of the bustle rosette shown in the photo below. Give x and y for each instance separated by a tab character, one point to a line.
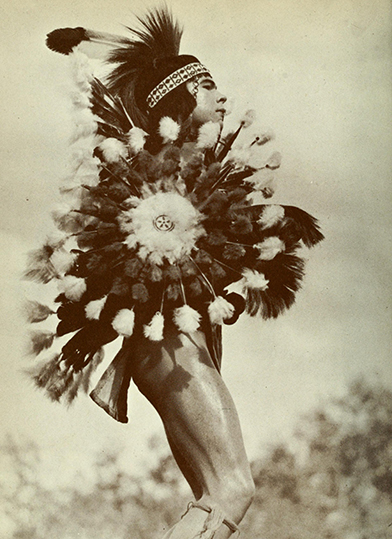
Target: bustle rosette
149	240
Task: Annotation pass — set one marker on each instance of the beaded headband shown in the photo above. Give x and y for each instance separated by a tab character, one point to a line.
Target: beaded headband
174	80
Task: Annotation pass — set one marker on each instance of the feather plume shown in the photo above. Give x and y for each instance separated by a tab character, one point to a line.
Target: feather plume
62	260
263	137
110	109
136	139
113	150
274	161
208	135
284	273
66	218
44	373
220	310
124	322
60	385
40	340
233	251
187	319
271	215
94	308
80	100
269	248
263	180
98	357
248	118
168	129
254	279
155	273
64	40
85	125
74	387
159	37
39	267
36	312
56	239
72	287
306	225
82	72
240	155
154	330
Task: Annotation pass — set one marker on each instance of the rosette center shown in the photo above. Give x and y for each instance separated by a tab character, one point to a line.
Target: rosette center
164	226
163	223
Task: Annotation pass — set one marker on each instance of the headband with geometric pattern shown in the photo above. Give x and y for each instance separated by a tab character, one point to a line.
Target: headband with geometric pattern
174	80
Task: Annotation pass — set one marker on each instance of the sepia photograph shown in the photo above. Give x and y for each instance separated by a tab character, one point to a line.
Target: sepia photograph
195	267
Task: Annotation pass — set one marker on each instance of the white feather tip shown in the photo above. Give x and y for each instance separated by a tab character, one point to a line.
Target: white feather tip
248	118
124	322
187	319
154	330
113	150
208	135
254	279
136	139
94	308
168	129
220	310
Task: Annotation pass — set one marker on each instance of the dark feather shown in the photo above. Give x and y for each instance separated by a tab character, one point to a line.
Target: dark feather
297	224
159	37
60	384
91	367
228	143
306	225
37	312
40	340
73	388
72	317
285	273
239	305
63	40
79	350
99	236
39	267
236	178
110	109
44	374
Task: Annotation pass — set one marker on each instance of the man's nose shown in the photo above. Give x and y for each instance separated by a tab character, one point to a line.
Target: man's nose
221	98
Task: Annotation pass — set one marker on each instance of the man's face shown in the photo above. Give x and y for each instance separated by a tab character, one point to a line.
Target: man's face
210	102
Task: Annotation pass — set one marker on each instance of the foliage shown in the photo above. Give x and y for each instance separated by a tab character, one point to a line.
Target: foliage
341	488
338	486
118	504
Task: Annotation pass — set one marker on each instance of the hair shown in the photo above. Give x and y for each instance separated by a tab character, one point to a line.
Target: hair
178	104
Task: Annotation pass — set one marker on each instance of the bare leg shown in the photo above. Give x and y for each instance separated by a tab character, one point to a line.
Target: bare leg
202	425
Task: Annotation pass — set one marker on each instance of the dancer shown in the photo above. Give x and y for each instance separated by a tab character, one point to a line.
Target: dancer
160	222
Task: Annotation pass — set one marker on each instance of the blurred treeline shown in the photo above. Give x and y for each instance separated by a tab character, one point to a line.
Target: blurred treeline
335	483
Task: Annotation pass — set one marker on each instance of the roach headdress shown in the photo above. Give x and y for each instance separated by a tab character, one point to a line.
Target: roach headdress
150	66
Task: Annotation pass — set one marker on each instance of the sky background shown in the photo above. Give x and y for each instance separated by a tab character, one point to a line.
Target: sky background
318	72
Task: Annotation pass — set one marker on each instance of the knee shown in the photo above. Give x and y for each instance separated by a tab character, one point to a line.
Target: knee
235	494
